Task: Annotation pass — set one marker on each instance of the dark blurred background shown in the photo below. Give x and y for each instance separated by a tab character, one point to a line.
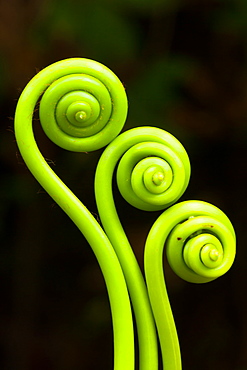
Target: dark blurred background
183	64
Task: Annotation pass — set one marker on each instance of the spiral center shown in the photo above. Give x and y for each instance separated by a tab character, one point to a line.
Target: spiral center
214	255
211	256
78	113
80	116
158	178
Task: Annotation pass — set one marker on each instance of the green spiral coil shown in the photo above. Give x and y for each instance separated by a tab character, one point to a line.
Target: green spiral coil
85	109
153	171
200	245
83	106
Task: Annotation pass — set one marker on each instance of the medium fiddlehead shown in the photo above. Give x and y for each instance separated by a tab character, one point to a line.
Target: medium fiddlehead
153	172
83	108
200	246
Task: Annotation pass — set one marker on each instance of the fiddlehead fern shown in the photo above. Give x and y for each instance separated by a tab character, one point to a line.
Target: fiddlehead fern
200	244
83	108
153	172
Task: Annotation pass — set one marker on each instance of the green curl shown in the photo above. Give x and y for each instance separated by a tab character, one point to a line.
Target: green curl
153	172
154	168
200	246
83	105
76	117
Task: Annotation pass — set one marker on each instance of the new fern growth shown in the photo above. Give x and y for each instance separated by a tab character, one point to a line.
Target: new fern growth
83	107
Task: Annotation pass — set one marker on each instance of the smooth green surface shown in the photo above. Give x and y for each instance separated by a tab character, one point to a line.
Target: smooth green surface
153	172
80	70
200	245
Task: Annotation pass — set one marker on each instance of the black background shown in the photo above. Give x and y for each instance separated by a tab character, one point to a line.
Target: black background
183	64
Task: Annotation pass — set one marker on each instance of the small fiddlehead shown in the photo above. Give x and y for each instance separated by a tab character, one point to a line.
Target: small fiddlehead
153	172
200	246
83	108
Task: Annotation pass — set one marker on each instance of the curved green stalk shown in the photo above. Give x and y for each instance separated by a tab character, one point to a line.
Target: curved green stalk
201	246
153	173
77	117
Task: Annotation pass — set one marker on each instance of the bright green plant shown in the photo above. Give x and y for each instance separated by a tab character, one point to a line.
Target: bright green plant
92	87
83	107
200	246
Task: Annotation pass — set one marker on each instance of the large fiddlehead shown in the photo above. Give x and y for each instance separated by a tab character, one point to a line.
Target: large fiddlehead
200	246
82	108
153	172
